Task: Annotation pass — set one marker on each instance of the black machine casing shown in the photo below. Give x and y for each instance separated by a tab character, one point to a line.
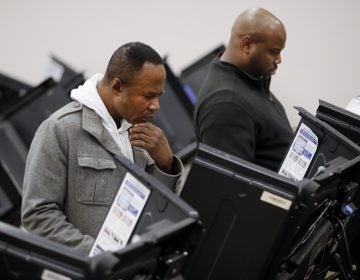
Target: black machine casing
165	235
243	227
344	121
331	143
175	117
194	75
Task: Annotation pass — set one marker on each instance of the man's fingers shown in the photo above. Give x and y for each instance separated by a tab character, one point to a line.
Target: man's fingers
145	127
148	129
139	143
141	129
150	137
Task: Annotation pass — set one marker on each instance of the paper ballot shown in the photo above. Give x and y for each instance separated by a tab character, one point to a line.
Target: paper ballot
122	216
299	156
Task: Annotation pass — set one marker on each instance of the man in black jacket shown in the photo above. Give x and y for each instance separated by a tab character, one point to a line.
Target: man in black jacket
235	111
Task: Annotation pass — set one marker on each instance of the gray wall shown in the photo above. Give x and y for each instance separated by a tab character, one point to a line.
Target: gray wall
320	61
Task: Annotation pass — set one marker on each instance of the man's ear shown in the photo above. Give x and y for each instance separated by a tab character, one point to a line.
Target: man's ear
247	43
117	85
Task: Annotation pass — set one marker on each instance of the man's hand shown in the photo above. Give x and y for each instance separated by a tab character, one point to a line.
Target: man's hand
153	140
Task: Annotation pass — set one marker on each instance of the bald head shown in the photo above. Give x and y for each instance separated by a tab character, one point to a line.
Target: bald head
257	22
254	33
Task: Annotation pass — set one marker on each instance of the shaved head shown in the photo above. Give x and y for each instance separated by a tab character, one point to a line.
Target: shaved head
256	40
257	22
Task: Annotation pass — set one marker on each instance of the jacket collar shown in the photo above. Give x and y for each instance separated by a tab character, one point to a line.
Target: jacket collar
263	83
91	123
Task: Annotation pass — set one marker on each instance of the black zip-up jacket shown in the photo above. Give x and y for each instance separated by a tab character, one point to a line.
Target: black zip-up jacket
238	114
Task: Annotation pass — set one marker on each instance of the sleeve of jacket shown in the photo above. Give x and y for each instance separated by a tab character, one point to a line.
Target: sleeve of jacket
45	188
170	180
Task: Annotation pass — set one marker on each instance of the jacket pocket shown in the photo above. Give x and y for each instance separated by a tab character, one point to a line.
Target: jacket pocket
96	180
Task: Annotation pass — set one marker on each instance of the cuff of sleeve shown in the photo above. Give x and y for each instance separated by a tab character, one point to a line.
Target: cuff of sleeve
170	180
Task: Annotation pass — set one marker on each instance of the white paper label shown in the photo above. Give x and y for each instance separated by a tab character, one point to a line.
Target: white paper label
51	275
276	200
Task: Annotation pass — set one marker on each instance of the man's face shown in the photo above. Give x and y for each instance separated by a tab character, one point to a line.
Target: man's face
265	55
138	101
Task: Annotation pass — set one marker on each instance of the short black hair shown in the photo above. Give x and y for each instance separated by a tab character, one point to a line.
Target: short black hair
128	59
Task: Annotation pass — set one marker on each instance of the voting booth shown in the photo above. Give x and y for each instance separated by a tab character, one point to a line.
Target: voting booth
263	225
348	124
193	76
344	121
175	117
148	232
314	145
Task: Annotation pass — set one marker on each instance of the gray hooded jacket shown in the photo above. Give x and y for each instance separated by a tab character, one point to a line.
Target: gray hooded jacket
71	177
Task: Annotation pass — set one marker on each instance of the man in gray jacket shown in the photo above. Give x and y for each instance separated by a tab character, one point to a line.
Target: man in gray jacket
71	176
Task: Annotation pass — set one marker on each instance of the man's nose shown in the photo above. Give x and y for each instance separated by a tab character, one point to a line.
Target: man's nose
278	59
155	105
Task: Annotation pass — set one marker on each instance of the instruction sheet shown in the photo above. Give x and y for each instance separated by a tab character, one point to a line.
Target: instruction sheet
299	156
122	216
